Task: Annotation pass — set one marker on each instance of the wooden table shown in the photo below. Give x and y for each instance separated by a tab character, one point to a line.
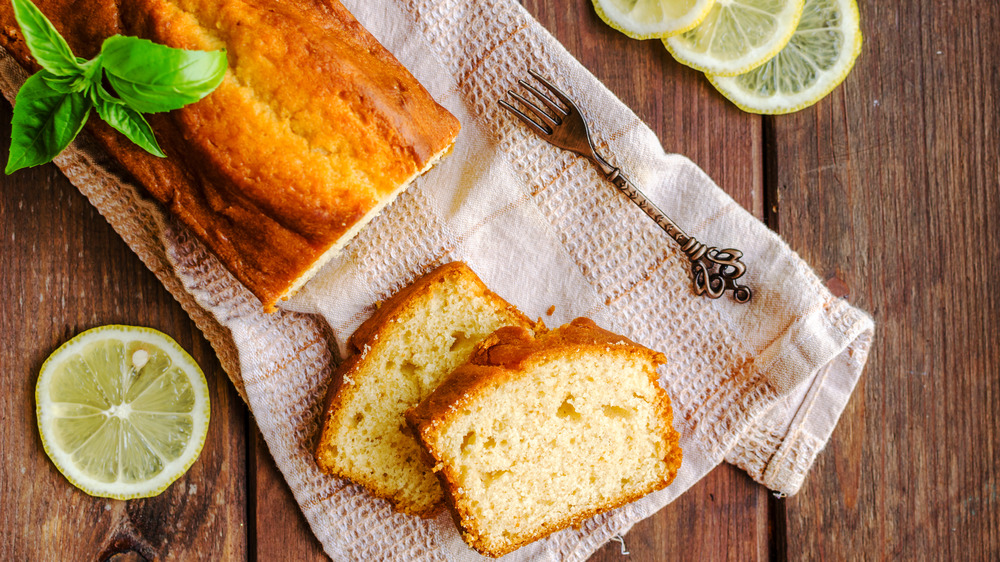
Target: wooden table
890	188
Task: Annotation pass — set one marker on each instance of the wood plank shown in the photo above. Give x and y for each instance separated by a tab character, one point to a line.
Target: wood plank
889	188
65	270
725	516
280	528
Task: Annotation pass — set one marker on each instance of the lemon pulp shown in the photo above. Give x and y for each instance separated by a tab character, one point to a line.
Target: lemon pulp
646	19
123	411
737	35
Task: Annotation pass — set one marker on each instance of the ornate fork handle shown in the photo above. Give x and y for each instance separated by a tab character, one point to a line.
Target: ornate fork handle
715	271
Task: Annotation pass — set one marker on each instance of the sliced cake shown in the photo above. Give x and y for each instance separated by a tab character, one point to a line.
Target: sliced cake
399	356
537	433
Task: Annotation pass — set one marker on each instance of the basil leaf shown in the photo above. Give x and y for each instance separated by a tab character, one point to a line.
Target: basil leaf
46	45
151	78
44	123
126	121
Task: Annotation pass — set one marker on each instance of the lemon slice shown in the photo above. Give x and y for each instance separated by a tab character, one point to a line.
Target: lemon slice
737	35
647	19
122	411
817	59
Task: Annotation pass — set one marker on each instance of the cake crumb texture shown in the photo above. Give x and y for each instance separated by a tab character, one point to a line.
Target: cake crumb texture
399	356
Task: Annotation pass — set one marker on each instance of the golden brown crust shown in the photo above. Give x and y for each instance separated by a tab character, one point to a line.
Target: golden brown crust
506	353
508	347
314	126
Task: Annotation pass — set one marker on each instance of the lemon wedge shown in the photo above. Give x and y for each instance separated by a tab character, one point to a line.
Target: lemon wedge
737	35
648	19
123	411
817	58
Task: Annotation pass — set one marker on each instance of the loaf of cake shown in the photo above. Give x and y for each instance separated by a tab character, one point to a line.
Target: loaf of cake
539	432
398	357
315	128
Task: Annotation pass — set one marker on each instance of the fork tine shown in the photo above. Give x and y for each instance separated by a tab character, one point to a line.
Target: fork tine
553	106
545	117
555	91
544	131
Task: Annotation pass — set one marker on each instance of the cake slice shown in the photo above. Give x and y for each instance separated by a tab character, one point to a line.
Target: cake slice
399	356
538	433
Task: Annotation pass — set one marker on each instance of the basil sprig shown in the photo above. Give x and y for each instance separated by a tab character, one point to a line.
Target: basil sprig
54	103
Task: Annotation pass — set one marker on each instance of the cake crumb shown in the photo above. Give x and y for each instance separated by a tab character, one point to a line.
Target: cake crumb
551	310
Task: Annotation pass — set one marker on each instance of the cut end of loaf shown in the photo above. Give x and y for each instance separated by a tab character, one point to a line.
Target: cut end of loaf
339	244
575	428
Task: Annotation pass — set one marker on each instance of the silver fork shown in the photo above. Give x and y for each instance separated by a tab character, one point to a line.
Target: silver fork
714	271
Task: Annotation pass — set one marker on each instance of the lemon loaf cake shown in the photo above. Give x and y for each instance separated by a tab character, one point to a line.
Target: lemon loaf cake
539	432
315	128
412	342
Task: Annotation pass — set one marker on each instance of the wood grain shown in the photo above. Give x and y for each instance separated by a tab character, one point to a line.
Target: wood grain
65	270
890	186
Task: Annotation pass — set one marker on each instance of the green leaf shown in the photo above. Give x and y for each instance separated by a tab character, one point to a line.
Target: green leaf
127	121
151	78
45	122
46	45
67	84
88	77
